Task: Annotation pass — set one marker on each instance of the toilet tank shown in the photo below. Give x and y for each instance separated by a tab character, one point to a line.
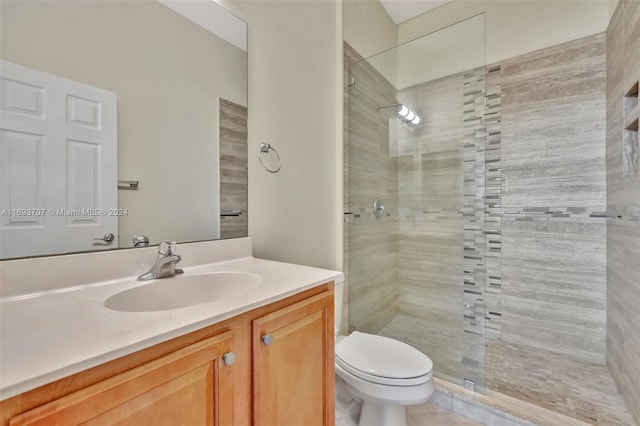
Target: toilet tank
337	304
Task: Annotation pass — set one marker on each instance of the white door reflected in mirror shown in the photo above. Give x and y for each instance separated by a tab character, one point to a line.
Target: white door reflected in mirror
58	156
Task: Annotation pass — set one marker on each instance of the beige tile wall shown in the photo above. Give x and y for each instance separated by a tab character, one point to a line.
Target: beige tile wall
233	170
553	199
370	174
623	206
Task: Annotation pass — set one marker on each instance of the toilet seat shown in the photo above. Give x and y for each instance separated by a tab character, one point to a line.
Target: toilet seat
383	360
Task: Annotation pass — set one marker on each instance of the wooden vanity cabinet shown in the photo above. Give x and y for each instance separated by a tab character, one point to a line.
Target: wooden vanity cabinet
293	365
191	386
223	374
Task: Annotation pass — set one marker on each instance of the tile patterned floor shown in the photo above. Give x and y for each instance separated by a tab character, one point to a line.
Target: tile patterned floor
432	415
420	415
577	389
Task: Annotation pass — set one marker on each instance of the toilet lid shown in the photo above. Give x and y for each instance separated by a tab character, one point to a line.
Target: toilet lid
382	357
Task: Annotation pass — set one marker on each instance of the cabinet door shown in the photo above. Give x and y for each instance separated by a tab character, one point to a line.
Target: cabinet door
293	365
192	386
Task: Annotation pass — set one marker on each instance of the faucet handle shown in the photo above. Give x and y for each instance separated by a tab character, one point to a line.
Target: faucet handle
167	247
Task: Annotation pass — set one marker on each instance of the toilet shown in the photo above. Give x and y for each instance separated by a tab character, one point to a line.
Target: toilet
386	374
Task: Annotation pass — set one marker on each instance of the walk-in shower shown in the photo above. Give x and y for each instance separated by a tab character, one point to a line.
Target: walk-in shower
475	258
416	141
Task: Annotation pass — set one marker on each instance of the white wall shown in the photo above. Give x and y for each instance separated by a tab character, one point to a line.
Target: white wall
367	27
516	27
295	78
612	7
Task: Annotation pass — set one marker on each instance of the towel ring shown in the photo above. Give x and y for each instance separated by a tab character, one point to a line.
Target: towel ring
265	148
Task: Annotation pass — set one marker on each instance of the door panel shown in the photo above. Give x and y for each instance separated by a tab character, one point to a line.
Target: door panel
22	163
83	179
293	374
58	152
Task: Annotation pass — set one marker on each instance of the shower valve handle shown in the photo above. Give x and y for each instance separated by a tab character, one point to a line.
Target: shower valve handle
378	209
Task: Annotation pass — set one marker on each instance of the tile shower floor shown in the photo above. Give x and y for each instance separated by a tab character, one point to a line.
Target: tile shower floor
576	389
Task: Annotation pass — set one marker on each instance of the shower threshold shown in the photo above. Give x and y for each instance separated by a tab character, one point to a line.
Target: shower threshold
494	407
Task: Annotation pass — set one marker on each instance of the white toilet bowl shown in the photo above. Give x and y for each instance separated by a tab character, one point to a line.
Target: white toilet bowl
386	374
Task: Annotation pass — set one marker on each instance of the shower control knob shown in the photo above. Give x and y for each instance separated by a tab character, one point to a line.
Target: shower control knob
267	339
378	209
229	358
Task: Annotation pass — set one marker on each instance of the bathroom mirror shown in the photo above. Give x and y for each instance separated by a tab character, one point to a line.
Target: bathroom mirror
120	119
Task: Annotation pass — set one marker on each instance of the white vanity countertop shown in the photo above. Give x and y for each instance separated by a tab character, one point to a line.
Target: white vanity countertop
50	335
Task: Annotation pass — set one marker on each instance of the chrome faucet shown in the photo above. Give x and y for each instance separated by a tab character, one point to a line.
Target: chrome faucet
165	263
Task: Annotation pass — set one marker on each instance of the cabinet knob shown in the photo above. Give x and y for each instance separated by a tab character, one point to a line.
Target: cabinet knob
267	339
229	358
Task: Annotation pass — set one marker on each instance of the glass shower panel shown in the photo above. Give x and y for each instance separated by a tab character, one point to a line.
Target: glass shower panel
416	271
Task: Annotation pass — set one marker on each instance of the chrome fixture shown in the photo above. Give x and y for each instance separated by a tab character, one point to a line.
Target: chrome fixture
106	238
267	339
165	262
378	209
409	115
264	149
128	184
140	240
469	385
405	113
229	358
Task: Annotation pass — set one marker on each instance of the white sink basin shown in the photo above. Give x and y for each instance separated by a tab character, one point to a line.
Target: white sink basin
183	290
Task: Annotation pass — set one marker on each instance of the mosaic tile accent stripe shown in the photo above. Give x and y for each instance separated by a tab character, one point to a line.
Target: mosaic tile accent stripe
493	202
473	211
553	214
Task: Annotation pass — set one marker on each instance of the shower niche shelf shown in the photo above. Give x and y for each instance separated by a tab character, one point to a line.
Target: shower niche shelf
631	108
630	133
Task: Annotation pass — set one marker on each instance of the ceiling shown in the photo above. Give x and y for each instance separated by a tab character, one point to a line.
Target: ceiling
403	10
